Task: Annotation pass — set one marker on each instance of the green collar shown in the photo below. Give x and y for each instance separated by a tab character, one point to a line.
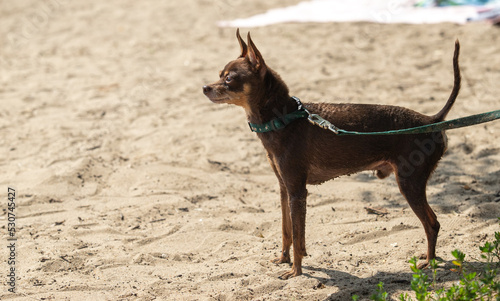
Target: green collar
280	122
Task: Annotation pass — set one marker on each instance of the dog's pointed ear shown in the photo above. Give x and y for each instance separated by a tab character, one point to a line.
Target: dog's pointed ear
243	45
255	58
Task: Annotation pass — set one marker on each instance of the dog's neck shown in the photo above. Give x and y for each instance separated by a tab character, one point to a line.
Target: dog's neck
270	100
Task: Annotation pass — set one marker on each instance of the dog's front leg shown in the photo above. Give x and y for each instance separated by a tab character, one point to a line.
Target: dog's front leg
286	227
286	223
297	203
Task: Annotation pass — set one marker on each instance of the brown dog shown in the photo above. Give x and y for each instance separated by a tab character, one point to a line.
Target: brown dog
302	153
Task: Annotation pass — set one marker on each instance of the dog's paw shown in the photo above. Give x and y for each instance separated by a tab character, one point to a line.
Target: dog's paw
281	259
293	273
423	265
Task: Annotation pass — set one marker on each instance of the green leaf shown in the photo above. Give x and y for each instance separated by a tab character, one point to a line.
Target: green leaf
487	248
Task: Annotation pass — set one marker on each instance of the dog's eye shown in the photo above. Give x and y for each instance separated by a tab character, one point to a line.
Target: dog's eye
228	79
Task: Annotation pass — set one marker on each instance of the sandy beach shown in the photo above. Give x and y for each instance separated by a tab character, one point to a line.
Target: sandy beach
131	185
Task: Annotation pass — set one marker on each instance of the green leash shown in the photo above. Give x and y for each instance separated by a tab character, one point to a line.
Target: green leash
279	123
434	127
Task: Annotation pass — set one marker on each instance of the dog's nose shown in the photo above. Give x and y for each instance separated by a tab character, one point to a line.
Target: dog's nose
207	89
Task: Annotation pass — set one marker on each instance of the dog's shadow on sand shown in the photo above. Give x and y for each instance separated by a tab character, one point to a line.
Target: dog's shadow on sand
350	285
394	283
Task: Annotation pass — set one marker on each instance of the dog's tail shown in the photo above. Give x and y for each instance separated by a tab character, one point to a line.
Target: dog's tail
456	86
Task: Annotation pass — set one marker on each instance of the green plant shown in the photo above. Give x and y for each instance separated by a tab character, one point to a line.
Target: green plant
419	283
380	293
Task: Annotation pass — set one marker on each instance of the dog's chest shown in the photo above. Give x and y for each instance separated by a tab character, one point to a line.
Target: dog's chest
319	174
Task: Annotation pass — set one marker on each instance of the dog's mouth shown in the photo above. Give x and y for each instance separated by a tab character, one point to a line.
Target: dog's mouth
219	100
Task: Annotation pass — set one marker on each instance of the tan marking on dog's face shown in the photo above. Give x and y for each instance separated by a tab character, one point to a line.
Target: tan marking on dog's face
246	88
240	98
223	73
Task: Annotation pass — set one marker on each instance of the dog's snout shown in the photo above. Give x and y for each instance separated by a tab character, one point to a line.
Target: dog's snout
207	89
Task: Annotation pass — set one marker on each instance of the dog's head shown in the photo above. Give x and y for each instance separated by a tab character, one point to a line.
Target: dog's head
241	78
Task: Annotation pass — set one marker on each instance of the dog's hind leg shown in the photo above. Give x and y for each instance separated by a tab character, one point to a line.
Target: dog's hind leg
412	186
